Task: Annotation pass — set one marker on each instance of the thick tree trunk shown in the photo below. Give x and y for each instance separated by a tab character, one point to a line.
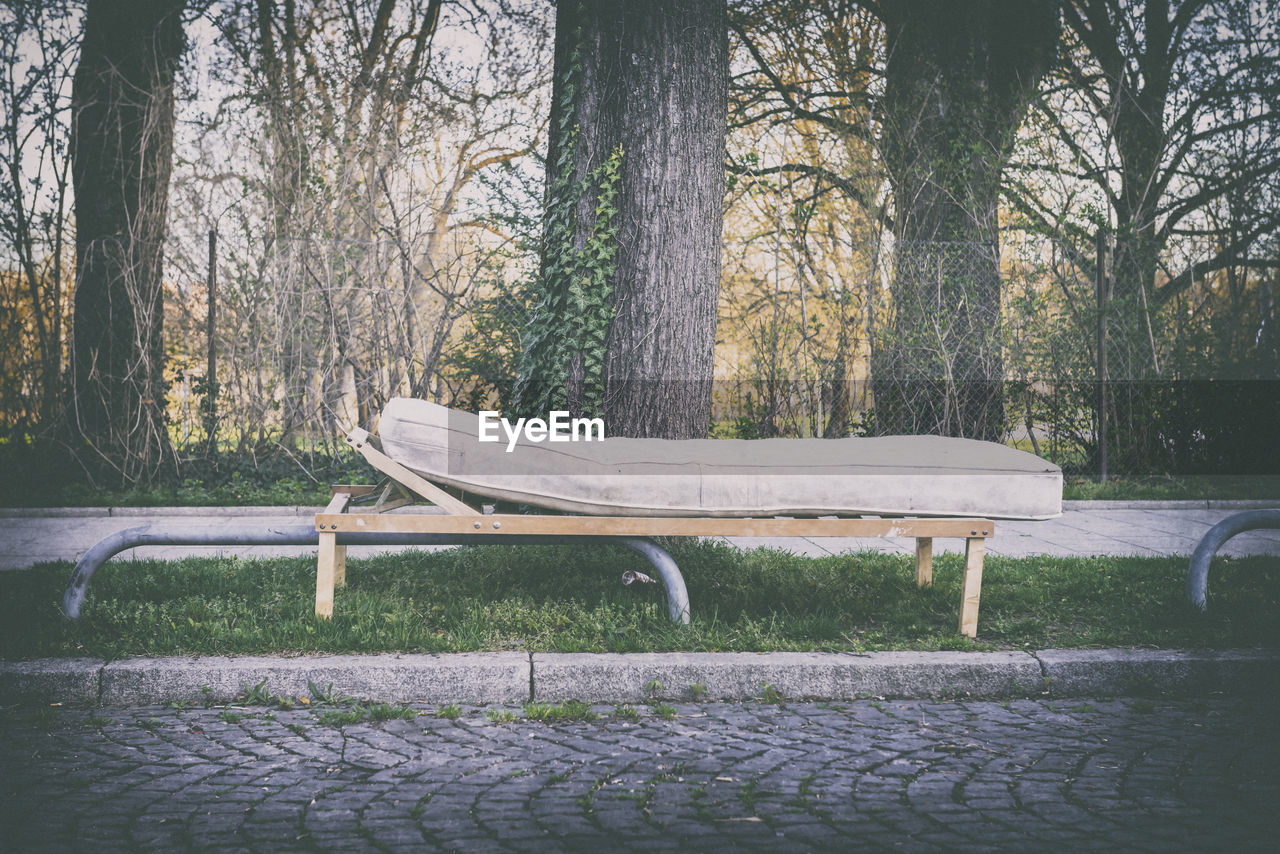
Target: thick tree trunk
653	79
121	147
958	78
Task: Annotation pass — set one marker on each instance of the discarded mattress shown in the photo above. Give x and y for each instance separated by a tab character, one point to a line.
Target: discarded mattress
887	476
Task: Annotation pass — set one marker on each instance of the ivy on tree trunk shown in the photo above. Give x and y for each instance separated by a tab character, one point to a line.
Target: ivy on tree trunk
651	79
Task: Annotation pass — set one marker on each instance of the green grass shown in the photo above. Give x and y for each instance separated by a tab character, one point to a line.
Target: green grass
663	711
270	474
330	708
388	712
1171	488
771	695
562	598
230	492
501	716
340	717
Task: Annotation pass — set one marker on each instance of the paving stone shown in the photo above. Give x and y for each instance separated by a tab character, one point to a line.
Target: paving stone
1185	775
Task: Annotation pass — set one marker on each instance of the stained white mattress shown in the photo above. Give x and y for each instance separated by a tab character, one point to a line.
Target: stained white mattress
892	475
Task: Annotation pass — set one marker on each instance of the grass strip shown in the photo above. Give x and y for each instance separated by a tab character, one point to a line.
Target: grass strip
564	598
1174	488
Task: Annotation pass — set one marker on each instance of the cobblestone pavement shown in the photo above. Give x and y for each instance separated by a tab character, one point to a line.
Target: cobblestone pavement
1125	775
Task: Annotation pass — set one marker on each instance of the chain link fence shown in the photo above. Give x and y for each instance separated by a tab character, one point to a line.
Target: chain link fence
1108	376
937	366
1062	356
315	335
1073	357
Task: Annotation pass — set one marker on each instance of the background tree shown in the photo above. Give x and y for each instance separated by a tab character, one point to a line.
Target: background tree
641	86
334	119
804	218
121	146
38	42
958	80
348	163
1159	128
940	89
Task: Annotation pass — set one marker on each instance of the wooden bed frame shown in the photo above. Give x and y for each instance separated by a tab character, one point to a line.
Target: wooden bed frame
461	522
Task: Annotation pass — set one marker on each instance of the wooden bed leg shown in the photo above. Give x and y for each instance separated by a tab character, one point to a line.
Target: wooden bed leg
326	564
924	561
339	566
971	591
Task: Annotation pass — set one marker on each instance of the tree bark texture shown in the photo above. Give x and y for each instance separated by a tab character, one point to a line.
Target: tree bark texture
958	78
121	148
653	79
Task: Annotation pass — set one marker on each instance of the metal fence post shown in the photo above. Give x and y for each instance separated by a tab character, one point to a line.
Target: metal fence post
211	372
1101	287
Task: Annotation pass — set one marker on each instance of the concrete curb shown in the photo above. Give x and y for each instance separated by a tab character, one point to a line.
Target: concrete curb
471	678
605	678
516	677
1129	672
73	681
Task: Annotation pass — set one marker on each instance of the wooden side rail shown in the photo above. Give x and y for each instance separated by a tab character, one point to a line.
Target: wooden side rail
460	523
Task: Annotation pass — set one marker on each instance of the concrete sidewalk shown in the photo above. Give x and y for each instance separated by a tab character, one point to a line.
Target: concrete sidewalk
1149	528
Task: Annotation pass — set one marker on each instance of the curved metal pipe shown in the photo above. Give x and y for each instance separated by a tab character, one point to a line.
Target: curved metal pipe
306	535
1198	570
672	580
162	535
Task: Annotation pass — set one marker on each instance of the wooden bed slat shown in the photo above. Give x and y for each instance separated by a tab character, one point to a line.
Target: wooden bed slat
645	526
